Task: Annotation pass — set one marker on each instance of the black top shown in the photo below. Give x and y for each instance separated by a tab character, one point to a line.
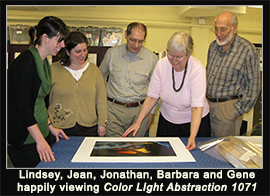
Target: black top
23	87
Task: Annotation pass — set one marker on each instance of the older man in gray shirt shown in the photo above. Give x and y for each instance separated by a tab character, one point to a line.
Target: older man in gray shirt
128	69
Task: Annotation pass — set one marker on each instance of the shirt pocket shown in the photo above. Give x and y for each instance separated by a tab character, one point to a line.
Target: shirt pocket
115	75
231	74
140	77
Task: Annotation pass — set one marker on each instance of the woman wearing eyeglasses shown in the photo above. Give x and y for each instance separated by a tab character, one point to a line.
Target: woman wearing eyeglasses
179	80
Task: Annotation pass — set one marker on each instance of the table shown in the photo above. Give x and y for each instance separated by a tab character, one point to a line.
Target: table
65	150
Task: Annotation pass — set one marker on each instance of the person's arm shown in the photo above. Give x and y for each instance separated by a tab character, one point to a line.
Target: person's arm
101	104
196	117
198	90
146	108
151	117
104	66
43	148
57	132
252	85
152	114
153	111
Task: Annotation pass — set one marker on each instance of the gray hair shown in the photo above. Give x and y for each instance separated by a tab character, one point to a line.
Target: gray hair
234	19
180	42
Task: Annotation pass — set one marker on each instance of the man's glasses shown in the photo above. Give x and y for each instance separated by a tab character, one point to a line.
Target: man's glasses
221	29
134	41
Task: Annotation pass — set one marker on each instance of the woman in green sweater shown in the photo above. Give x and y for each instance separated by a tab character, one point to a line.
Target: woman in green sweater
78	103
29	82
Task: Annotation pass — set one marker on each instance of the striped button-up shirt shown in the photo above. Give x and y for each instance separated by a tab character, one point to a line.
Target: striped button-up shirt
235	72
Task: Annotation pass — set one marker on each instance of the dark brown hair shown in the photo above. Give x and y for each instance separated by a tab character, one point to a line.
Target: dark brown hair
71	41
49	25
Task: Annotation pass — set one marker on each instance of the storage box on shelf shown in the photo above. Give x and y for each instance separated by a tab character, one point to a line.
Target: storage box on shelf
92	34
71	28
111	36
18	34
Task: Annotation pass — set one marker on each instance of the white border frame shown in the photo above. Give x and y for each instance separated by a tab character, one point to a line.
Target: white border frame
83	153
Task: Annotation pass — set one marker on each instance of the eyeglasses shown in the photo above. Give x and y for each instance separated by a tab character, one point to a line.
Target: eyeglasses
135	41
179	58
221	29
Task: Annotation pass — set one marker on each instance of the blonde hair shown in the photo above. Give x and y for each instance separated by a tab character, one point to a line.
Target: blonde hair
180	42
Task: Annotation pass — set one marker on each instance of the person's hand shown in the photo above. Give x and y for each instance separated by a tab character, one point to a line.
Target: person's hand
133	128
58	133
101	130
44	150
191	144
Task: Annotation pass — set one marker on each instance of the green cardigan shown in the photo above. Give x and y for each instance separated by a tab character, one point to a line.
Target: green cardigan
83	101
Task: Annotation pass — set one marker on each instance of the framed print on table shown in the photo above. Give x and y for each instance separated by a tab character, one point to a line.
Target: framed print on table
137	149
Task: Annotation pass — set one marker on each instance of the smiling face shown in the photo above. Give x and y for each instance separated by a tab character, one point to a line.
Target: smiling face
179	49
54	45
224	29
178	60
49	46
78	54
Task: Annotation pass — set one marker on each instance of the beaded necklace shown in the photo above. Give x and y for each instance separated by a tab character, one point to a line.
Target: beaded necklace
177	90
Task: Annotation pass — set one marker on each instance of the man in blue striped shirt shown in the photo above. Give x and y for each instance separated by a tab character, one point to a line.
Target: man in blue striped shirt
233	83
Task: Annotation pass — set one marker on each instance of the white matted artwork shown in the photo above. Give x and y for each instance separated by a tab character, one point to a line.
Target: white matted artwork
137	149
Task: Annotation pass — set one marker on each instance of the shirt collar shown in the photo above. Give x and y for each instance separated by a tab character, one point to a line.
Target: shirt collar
140	54
235	44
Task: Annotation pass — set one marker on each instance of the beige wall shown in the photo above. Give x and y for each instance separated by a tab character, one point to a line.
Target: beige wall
162	21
